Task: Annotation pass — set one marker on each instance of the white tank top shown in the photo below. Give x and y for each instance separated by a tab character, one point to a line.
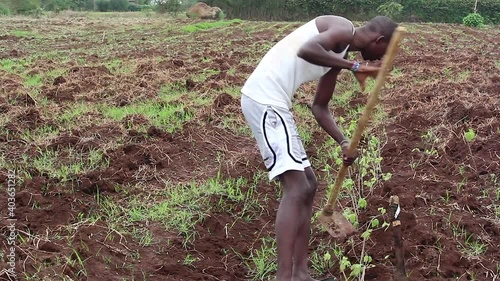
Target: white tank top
280	72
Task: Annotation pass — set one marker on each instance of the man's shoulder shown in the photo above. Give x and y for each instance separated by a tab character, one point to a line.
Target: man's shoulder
331	22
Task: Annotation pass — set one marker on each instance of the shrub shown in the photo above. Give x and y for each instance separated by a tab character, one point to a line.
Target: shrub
221	15
26	7
133	8
4	10
102	5
168	6
81	5
118	5
390	9
55	5
473	20
449	11
146	8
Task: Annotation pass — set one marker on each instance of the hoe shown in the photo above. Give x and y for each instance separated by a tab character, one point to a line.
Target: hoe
334	222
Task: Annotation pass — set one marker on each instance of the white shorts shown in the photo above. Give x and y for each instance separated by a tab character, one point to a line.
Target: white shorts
277	137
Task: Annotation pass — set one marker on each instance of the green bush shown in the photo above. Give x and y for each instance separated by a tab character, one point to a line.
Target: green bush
168	6
449	11
102	5
146	8
55	5
390	9
473	20
81	5
4	10
133	8
118	5
26	7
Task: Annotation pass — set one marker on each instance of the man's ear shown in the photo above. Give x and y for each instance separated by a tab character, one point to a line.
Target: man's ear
380	39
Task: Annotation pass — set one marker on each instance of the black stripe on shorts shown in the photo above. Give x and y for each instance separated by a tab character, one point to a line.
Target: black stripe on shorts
267	141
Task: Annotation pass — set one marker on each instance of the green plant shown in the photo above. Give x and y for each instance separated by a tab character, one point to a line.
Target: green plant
102	5
470	135
23	6
321	259
4	10
118	5
133	8
390	9
473	247
221	15
168	6
262	262
208	25
190	260
473	20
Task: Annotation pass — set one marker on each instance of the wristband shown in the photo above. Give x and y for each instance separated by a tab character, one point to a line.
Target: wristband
342	142
355	67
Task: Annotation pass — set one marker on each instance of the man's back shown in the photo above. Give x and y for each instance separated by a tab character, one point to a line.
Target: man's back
281	71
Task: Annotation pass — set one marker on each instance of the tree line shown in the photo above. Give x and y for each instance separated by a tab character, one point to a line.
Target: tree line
36	6
446	11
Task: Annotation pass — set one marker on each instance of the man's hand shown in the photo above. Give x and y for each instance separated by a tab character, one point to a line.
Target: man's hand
365	71
348	159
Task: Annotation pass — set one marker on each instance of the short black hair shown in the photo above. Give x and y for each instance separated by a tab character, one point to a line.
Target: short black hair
383	25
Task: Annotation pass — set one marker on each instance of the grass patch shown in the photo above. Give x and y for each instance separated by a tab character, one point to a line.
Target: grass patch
72	115
118	66
462	76
176	93
34	81
181	207
208	25
66	164
343	99
13	66
204	74
261	263
168	116
23	33
40	135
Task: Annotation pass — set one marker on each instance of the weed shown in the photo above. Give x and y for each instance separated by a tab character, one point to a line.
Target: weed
322	260
470	135
446	197
13	66
208	25
166	116
473	247
33	81
262	262
40	135
190	260
65	168
72	114
23	33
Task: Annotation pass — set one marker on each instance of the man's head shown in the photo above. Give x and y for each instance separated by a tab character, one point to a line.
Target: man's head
381	29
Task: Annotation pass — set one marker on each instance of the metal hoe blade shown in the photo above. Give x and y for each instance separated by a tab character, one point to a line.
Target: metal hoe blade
337	225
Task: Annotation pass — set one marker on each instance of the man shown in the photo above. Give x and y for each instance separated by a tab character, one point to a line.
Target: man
316	50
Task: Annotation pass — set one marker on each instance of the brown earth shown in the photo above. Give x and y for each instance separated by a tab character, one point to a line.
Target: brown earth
423	98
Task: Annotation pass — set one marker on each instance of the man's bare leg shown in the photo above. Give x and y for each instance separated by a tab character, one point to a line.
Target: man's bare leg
300	267
292	214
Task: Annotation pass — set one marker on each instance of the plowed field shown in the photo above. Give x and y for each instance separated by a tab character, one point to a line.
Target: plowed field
125	143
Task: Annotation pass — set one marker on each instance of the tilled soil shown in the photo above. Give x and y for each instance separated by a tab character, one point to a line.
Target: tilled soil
448	83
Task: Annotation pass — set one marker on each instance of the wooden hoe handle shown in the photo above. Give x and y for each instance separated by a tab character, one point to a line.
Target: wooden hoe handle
363	121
